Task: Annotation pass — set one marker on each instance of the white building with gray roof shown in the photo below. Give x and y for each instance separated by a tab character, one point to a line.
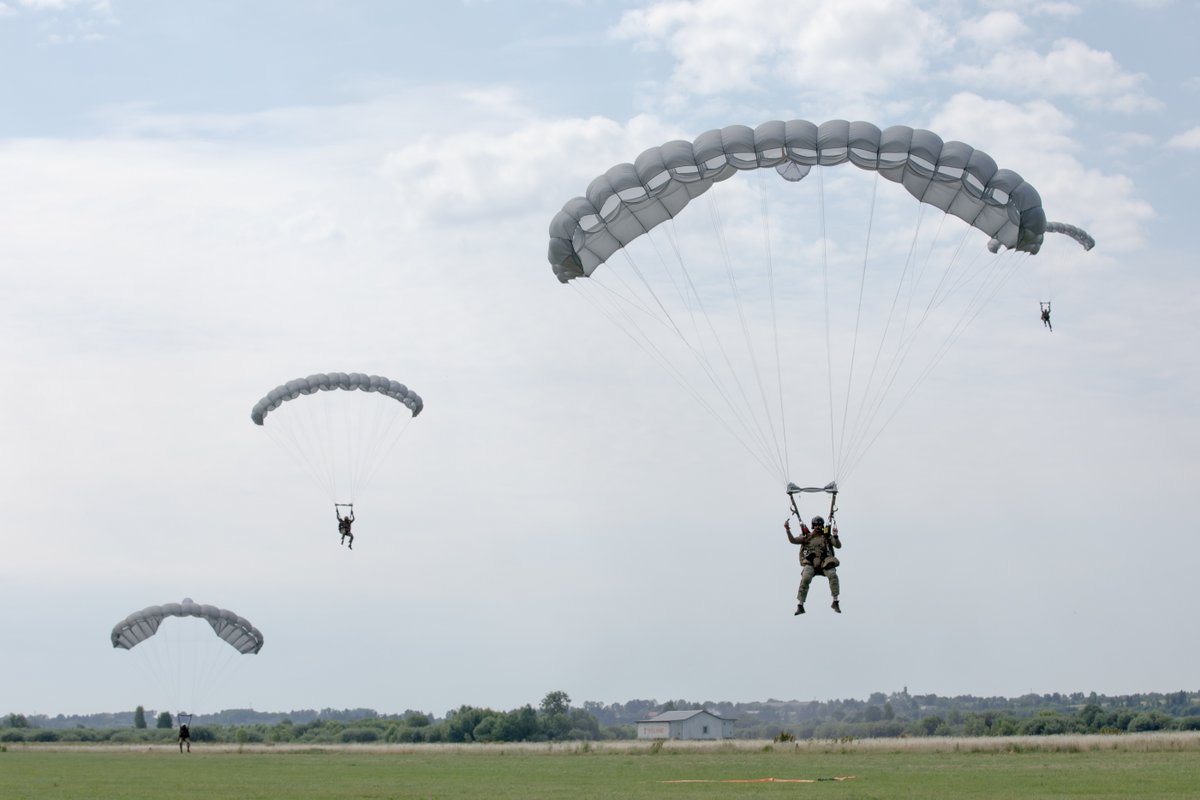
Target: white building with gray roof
694	724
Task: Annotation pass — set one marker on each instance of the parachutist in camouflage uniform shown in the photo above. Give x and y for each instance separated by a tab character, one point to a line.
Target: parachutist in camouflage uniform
816	558
344	524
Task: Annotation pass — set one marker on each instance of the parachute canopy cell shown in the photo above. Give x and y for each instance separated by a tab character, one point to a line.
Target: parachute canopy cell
631	199
335	381
229	627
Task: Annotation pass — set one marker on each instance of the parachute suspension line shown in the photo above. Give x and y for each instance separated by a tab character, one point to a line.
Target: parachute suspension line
697	349
773	440
388	441
297	430
743	413
686	288
667	320
862	285
907	338
366	427
618	311
922	266
828	334
770	265
159	666
327	440
860	427
987	291
217	662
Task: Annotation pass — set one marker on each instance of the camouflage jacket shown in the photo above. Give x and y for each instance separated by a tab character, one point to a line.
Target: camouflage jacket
816	548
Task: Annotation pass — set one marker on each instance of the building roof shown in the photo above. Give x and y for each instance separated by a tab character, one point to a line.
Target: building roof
678	716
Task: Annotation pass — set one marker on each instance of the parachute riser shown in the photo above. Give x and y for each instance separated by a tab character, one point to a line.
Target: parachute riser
830	488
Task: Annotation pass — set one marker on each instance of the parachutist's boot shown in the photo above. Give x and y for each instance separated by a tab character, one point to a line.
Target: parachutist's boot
836	607
799	610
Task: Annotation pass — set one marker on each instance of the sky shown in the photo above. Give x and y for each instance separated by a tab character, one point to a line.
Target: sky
201	201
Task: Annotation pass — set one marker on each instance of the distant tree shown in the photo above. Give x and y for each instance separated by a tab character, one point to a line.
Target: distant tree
582	725
139	717
888	711
16	721
1151	721
519	725
1090	715
873	714
461	724
556	703
928	725
164	720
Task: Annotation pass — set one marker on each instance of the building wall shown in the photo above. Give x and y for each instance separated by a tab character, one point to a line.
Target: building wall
701	726
654	730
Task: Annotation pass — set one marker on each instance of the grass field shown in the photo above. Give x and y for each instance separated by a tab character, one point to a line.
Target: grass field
1130	766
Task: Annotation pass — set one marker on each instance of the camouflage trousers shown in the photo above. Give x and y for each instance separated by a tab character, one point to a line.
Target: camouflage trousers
806	577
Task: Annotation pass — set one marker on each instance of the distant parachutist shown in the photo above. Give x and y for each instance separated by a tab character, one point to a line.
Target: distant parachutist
345	522
1046	315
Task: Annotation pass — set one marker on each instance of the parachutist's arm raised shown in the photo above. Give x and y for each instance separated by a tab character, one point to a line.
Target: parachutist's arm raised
793	539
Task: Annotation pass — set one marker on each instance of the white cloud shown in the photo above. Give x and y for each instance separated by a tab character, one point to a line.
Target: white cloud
503	167
66	21
1036	140
1037	8
1188	140
820	48
1070	69
101	7
834	55
994	29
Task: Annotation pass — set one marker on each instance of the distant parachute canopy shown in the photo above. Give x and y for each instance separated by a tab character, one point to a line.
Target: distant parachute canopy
630	199
235	630
328	382
340	434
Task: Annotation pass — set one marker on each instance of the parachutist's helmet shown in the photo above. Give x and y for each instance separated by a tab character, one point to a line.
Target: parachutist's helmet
818	522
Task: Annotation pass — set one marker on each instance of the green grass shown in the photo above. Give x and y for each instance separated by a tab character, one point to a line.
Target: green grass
1145	766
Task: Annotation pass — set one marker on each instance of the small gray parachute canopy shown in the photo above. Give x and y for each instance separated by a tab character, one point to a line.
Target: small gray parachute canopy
334	381
630	199
229	627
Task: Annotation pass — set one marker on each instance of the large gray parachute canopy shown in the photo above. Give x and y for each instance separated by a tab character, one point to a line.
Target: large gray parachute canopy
333	381
229	627
630	199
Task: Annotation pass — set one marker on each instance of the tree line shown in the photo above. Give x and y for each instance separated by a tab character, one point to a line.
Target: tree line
892	715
